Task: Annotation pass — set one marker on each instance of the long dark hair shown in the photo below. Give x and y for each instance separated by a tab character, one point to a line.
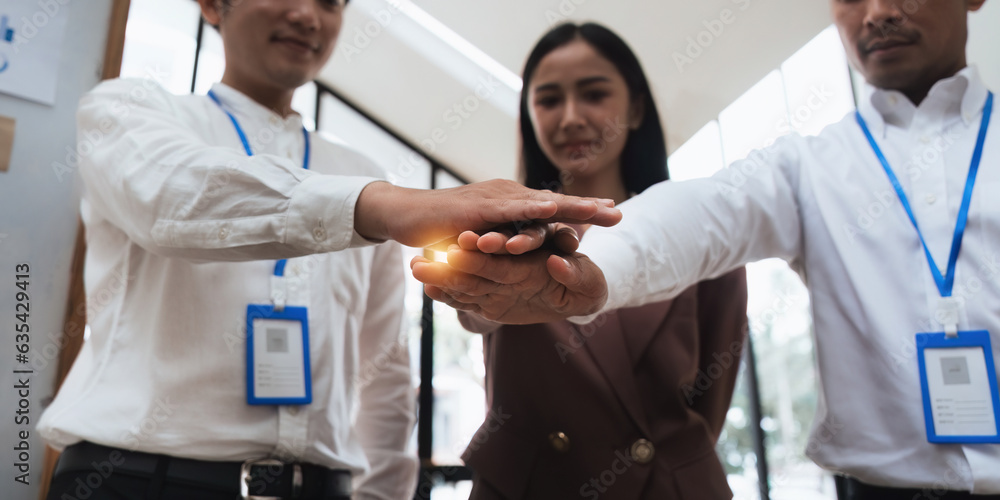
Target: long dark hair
644	157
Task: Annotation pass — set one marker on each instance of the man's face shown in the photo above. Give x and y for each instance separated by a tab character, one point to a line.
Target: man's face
904	44
276	43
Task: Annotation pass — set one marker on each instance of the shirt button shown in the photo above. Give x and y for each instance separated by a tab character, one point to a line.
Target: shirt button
924	139
642	451
223	233
892	100
931	199
293	410
319	234
559	441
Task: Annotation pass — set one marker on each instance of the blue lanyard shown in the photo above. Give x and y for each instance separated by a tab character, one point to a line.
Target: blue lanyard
279	267
944	283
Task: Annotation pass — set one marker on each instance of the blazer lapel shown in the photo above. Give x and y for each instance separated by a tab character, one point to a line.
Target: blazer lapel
607	346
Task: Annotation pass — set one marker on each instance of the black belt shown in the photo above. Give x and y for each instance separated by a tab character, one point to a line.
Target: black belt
254	478
849	488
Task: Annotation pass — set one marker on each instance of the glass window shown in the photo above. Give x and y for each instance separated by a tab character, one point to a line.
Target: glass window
818	84
754	119
443	179
736	443
160	39
459	387
211	60
304	103
459	490
811	90
404	166
700	156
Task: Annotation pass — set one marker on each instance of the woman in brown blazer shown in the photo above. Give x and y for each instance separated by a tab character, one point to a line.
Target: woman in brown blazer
631	405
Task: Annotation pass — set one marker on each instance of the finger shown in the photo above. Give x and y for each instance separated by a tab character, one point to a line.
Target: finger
543	206
500	269
578	274
566	239
468	240
419	259
602	216
494	242
442	275
530	238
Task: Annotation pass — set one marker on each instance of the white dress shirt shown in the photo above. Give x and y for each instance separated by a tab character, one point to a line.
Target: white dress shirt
826	206
170	194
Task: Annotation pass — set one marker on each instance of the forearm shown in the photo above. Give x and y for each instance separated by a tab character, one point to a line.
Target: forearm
674	235
175	195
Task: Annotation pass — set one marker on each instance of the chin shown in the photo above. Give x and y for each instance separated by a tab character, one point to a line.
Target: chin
892	80
292	79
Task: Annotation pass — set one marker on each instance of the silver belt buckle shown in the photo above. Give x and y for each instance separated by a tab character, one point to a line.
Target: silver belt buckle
245	478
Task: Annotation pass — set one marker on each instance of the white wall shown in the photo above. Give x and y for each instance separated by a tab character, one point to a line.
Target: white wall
38	221
984	42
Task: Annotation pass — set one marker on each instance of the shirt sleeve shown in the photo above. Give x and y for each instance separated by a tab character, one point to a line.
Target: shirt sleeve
676	234
149	174
386	416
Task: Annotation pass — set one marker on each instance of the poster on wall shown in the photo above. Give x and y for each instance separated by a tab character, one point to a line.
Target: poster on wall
31	35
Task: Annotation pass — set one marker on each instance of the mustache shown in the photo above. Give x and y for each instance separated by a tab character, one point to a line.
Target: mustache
885	37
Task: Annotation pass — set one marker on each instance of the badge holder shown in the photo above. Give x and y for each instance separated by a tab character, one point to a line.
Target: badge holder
959	386
278	371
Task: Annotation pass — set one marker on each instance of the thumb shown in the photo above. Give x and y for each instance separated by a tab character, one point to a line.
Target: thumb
579	275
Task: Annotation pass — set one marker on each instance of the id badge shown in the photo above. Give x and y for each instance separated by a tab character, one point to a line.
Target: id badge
278	370
959	385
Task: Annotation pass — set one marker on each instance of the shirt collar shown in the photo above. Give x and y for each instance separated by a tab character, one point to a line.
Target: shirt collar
963	94
242	105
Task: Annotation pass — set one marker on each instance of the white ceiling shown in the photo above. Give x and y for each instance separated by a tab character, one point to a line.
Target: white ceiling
395	62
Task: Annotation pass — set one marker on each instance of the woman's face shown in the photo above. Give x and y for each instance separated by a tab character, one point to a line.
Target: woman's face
580	109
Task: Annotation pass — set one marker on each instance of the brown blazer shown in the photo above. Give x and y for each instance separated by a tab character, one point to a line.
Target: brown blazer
629	407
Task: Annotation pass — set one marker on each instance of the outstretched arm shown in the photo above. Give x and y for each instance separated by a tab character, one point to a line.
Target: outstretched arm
420	218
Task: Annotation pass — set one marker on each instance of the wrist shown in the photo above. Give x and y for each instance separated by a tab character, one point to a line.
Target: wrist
373	209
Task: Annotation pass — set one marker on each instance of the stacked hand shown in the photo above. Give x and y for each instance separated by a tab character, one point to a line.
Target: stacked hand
421	218
531	275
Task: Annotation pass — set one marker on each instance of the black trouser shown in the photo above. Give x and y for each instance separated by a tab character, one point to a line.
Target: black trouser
851	489
87	471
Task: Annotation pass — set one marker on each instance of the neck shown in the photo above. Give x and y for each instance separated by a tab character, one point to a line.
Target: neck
608	185
276	99
918	92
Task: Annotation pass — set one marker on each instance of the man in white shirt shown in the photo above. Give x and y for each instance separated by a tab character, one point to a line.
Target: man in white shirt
827	206
210	221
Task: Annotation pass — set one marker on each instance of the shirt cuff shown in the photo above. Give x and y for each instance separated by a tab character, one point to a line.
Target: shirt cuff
321	213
